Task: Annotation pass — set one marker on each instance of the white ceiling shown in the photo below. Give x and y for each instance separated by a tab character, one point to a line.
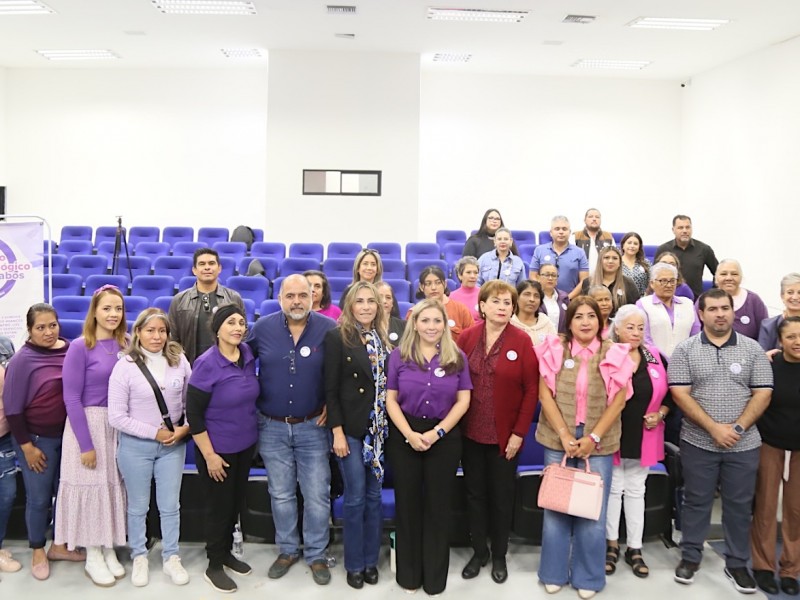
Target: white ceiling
143	37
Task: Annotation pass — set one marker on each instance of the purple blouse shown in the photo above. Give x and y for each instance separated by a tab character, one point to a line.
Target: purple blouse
86	376
427	393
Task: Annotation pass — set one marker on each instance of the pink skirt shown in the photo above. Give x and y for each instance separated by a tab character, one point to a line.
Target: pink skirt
90	509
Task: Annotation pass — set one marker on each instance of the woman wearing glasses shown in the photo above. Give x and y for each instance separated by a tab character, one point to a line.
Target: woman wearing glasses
682	289
554	301
482	241
670	318
433	286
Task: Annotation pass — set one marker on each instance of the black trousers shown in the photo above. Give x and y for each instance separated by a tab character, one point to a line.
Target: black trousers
489	480
224	501
423	490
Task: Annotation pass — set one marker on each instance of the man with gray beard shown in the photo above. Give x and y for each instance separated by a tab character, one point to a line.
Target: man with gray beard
293	440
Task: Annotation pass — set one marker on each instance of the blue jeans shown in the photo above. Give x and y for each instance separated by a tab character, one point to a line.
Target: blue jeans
363	510
573	549
295	454
139	461
8	483
40	488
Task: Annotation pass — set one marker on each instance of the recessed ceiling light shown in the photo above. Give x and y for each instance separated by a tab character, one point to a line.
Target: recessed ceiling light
451	57
76	54
205	7
685	24
24	7
242	52
552	43
134	32
589	63
581	19
476	14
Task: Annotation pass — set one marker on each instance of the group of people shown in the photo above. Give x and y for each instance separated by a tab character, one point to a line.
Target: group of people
612	356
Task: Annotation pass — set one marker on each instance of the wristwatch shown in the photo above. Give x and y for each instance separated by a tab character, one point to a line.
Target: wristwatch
441	432
595	438
738	429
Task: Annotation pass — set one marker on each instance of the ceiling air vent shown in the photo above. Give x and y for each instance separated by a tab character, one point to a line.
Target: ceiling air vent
582	19
345	36
339	9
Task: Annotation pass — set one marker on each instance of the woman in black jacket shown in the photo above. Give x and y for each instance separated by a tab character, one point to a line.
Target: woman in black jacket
355	390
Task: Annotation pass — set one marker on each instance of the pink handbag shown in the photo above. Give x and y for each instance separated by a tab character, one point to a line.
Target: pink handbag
576	492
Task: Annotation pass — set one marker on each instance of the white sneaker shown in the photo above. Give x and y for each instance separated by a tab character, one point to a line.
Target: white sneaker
7	562
175	570
586	594
96	568
113	564
552	588
141	571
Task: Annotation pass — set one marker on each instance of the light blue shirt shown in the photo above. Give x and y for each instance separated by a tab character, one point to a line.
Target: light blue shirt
512	269
570	264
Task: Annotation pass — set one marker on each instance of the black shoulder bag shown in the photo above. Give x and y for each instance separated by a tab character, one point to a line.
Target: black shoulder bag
162	405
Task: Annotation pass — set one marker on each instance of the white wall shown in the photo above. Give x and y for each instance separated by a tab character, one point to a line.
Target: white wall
740	158
183	147
343	111
535	147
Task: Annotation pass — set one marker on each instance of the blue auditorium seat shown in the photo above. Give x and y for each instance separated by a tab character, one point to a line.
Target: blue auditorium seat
249	309
70	328
545	237
254	288
307	250
107	249
140	234
523	236
153	286
133	306
235	250
403	307
276	286
76	232
72	247
174	266
85	265
186	248
338	267
51	246
393	268
452	252
72	307
172	235
386	249
106	233
93	282
268	307
343	250
135	265
422	251
208	235
415	268
152	249
184	283
276	250
258	234
228	269
402	290
526	252
163	302
291	265
449	236
66	285
618	235
59	264
650	251
338	286
269	265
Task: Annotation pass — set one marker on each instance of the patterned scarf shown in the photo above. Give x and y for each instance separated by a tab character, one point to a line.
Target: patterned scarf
378	429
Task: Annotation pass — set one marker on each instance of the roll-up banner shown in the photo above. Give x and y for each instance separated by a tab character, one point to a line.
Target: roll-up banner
21	275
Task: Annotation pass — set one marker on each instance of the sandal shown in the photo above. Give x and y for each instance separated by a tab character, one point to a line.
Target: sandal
612	556
633	556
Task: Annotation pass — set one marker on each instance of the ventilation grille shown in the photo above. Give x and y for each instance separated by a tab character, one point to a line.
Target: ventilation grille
339	9
582	19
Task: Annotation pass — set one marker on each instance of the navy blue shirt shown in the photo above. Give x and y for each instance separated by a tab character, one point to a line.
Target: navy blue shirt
291	376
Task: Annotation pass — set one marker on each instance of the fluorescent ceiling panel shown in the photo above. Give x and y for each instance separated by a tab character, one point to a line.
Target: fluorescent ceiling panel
24	7
76	54
242	52
683	24
633	65
476	14
205	7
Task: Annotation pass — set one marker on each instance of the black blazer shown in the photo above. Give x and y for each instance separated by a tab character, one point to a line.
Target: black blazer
349	386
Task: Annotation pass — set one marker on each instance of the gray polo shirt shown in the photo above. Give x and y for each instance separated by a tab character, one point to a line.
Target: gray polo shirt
721	380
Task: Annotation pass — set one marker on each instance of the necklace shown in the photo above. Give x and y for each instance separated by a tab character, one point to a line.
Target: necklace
103	348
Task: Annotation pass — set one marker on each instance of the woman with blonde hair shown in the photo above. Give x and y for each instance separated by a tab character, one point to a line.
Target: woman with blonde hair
428	391
90	511
355	391
146	404
367	266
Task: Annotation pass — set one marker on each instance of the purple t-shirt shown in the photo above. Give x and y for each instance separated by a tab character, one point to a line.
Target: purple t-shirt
427	393
231	420
86	376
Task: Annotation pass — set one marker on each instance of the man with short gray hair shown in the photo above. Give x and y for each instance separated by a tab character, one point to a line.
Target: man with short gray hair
292	438
571	261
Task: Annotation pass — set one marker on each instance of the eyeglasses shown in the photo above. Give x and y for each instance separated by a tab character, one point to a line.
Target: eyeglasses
666	281
292	364
430	284
206	303
549	275
493	219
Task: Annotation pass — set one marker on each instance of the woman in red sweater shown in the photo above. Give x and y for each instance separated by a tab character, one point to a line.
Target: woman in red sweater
504	372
